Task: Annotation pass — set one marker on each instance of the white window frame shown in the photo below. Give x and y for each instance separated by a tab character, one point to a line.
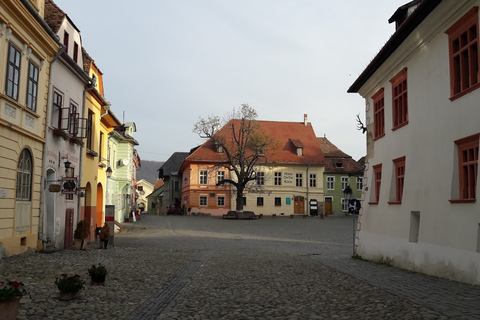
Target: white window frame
359	183
331	183
203	177
203	196
278	179
345	182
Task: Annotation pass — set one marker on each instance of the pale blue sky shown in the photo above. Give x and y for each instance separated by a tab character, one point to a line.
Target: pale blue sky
168	62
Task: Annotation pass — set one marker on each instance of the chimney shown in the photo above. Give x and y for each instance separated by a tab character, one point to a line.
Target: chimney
305	119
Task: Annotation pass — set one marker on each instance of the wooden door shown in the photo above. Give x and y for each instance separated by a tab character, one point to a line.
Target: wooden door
328	206
299	205
68	237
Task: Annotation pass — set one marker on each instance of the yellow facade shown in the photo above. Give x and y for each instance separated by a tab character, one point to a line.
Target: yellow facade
22	128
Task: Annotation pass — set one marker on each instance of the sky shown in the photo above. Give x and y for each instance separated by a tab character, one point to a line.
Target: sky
168	63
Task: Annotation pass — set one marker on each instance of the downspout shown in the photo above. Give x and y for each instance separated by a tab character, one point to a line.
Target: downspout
46	27
41	224
308	185
82	154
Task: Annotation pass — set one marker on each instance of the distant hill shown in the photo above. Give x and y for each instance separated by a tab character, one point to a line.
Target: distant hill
148	170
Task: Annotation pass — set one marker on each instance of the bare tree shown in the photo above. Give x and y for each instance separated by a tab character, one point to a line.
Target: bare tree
242	141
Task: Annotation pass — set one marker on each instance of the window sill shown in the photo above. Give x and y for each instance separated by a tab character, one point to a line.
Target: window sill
92	153
455	201
464	92
400	126
379	137
373	203
394	202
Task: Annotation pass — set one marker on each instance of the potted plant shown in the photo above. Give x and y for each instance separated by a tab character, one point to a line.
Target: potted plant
80	234
97	273
104	236
69	286
10	294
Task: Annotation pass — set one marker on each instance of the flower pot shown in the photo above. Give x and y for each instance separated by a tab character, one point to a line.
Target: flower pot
9	309
98	280
66	296
78	244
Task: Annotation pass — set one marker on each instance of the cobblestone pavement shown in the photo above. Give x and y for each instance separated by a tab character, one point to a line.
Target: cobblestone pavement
173	267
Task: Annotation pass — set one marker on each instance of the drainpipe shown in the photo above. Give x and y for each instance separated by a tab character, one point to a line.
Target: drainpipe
308	185
36	15
82	154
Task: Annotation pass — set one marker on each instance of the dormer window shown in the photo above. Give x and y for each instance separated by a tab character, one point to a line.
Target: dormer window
298	145
339	165
219	149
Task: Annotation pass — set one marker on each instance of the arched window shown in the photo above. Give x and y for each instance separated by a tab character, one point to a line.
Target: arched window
24	176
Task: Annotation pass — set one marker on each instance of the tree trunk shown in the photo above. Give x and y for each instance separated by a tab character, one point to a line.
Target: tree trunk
239	201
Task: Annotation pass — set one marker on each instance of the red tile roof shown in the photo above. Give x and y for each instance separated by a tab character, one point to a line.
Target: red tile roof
53	15
288	134
337	161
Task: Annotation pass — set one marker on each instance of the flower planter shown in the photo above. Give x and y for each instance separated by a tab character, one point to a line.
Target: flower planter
98	280
9	309
67	296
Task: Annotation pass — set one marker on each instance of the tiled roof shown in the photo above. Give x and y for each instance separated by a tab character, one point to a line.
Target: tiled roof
173	164
286	133
338	161
54	16
87	61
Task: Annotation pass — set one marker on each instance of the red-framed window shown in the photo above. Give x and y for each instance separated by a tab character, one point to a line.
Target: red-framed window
464	55
468	167
399	100
377	178
378	114
399	178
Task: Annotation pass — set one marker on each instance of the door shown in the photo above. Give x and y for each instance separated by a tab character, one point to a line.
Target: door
68	239
299	205
328	206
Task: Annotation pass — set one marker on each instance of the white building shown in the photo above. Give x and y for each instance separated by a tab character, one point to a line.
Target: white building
422	113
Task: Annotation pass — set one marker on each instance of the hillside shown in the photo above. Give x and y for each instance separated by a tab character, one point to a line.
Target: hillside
148	170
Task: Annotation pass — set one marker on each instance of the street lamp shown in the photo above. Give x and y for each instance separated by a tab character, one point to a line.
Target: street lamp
109	172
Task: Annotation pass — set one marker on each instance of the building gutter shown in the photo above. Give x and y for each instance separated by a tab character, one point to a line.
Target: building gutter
412	22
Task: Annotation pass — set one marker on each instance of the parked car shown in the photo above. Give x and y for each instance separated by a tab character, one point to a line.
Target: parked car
174	208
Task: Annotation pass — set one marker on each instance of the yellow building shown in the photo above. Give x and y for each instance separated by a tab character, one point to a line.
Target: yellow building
27	47
100	121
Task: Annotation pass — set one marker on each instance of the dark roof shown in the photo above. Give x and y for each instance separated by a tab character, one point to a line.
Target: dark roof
410	24
54	16
172	165
337	161
402	12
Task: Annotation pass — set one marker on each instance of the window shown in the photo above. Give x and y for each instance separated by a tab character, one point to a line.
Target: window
359	183
463	52
100	147
32	88
24	176
400	99
220	176
299	151
468	166
278	201
90	130
345	183
377	178
278	178
378	114
73	121
299	180
13	72
399	165
57	110
221	201
260	178
66	38
203	200
330	183
313	180
203	177
344	205
244	200
176	185
75	52
259	201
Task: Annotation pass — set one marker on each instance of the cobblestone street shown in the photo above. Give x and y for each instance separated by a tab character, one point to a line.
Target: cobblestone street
184	267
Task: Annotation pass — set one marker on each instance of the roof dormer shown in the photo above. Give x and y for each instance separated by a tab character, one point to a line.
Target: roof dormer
403	13
298	145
